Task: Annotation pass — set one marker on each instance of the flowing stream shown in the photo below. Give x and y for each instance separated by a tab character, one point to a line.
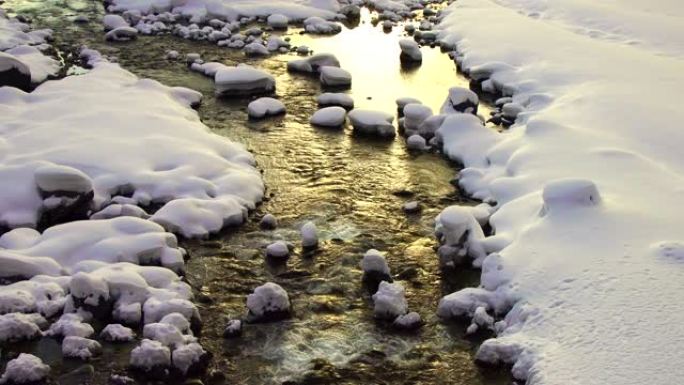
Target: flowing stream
352	188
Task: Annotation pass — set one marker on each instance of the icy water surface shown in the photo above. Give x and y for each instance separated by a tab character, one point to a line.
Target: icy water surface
352	188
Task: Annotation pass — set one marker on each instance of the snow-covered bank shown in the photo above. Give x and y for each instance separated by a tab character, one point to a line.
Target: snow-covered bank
588	182
122	140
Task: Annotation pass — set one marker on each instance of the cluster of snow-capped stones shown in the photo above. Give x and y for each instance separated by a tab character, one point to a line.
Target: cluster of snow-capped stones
22	62
169	345
507	111
269	302
388	298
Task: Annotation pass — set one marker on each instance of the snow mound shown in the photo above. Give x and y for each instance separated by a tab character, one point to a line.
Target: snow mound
461	100
150	355
410	50
20	327
186	160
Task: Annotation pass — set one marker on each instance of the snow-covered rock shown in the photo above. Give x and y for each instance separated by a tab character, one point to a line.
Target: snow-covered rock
233	329
410	50
189	358
42	67
243	80
277	21
460	235
331	99
329	117
309	234
269	302
375	267
334	77
20	327
25	369
265	107
416	142
313	64
409	321
122	34
277	250
256	49
117	333
165	333
150	355
112	21
389	301
14	72
318	25
79	347
461	100
414	115
372	123
268	221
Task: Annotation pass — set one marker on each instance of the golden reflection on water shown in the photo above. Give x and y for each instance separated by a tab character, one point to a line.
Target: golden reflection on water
372	57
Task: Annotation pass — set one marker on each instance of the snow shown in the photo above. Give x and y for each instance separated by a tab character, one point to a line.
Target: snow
79	347
389	301
277	249
410	50
373	123
264	107
414	115
268	300
587	184
334	77
329	117
70	325
122	34
408	321
25	369
309	234
243	80
331	99
167	334
461	235
187	161
416	142
256	49
117	333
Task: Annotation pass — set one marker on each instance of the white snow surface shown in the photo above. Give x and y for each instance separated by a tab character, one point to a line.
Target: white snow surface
158	148
588	183
268	298
25	45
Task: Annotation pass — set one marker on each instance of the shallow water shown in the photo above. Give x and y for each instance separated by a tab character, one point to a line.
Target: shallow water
352	188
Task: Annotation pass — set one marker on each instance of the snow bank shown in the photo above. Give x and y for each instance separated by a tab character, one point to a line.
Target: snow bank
587	183
169	154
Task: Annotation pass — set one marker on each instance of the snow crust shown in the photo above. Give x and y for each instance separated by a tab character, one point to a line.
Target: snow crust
587	184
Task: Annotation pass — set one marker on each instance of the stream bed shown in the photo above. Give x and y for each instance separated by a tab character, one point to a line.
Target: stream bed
352	188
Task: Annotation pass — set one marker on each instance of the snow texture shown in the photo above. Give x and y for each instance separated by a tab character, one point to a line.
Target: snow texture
25	369
587	184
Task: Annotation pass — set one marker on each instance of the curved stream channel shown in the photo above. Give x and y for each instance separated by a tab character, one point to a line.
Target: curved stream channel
352	188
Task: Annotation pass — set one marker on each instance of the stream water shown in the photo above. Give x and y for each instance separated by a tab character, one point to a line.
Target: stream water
352	188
